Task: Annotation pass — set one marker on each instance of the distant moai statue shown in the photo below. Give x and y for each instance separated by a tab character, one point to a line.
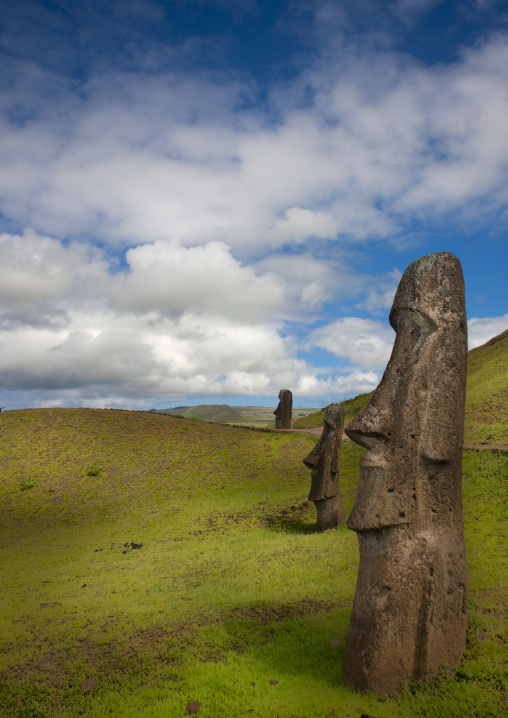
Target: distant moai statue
324	462
410	607
284	410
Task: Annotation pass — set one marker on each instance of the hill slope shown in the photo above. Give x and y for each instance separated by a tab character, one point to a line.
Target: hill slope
351	409
156	561
487	392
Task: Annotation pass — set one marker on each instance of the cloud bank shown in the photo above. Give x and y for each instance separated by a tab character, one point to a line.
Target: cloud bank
172	228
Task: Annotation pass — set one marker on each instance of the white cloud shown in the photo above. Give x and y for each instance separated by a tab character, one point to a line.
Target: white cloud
175	321
106	358
151	157
299	224
364	342
481	330
311	281
165	276
241	217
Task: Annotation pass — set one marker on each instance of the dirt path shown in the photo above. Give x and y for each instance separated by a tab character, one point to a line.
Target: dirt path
317	431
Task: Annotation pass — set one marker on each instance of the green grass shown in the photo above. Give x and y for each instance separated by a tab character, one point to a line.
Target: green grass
351	409
487	393
231	587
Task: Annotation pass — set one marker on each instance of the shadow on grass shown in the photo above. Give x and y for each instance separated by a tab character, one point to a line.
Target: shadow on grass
290	525
293	640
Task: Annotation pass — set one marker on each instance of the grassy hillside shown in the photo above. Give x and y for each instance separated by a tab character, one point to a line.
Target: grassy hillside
175	411
233	416
487	392
205	412
148	561
351	409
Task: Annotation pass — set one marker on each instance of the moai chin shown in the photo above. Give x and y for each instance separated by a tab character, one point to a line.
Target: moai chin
324	462
410	607
284	410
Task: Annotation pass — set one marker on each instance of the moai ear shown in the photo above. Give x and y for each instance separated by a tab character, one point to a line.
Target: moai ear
441	435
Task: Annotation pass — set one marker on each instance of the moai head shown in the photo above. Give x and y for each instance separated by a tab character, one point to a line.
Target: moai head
324	457
413	426
324	462
409	614
284	410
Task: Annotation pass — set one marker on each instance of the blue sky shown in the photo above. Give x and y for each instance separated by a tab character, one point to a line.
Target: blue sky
210	200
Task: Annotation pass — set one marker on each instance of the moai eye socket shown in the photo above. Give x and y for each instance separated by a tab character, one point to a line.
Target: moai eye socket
413	322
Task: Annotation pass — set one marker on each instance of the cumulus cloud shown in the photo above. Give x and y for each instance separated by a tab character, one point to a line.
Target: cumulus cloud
173	321
166	155
226	223
106	356
38	276
312	281
364	342
168	277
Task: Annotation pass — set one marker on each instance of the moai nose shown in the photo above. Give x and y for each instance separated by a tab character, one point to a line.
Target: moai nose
371	428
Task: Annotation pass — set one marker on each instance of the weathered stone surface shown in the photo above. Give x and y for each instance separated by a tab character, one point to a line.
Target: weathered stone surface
284	410
324	462
410	608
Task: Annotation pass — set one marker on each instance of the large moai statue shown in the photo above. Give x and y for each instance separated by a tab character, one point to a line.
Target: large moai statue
324	462
410	607
284	410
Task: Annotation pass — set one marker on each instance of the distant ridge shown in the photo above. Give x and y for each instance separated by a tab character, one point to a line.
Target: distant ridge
225	414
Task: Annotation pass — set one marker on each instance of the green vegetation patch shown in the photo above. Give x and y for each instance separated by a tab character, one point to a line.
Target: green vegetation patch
188	569
487	393
351	409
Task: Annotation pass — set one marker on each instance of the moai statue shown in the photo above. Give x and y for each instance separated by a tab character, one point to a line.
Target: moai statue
410	607
324	462
284	410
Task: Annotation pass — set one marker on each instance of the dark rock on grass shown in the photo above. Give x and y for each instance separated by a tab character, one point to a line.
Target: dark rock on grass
83	586
193	707
367	715
136	545
273	682
50	603
89	685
